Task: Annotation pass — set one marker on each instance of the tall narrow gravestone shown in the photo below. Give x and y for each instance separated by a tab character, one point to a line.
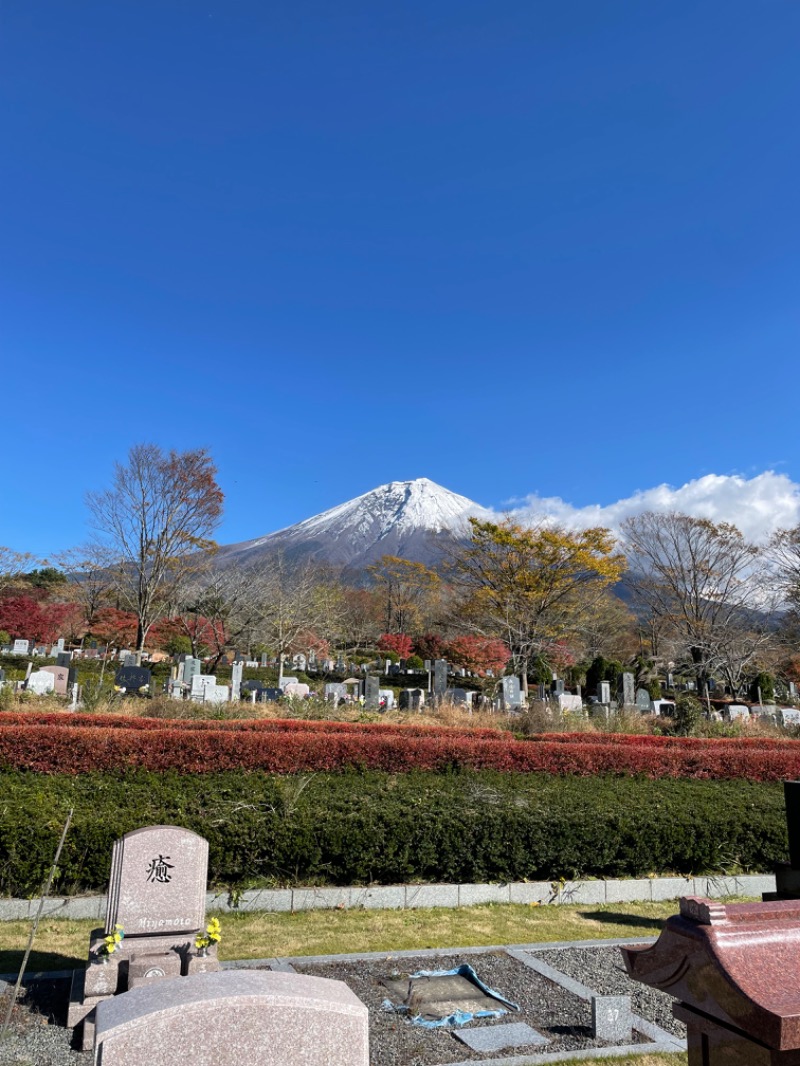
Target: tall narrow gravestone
157	895
439	677
372	692
628	695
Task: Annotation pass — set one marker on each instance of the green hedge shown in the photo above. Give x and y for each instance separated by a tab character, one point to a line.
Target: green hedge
360	828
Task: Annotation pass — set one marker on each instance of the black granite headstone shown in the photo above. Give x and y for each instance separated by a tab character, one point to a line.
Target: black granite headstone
440	677
132	678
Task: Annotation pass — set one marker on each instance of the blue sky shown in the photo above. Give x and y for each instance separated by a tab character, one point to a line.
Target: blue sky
547	247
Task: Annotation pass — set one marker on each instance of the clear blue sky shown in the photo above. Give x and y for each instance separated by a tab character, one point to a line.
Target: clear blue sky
515	246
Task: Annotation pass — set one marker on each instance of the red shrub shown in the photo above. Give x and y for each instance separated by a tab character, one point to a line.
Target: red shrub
293	747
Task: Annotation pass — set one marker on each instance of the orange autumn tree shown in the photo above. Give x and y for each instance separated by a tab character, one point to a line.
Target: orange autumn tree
530	585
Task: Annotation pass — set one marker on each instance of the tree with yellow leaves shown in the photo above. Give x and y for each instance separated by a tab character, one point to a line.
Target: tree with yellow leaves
532	585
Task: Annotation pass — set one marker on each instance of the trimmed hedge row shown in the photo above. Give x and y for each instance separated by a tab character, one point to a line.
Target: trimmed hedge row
77	750
655	741
259	725
362	828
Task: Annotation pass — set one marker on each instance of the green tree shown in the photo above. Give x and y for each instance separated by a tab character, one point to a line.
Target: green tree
531	586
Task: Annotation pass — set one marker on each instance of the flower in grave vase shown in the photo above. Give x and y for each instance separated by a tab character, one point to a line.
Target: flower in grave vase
212	935
110	944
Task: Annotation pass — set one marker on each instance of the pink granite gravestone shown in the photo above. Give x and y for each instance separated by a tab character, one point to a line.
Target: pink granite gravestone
158	882
61	676
157	893
252	1017
735	970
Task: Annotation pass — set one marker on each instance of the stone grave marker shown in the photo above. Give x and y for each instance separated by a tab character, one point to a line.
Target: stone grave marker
191	667
21	647
200	682
157	894
235	1018
41	683
129	659
60	678
512	697
411	699
372	692
604	692
458	696
643	701
335	690
792	689
236	680
158	882
386	697
132	678
612	1019
439	677
557	687
628	695
497	1037
64	658
263	659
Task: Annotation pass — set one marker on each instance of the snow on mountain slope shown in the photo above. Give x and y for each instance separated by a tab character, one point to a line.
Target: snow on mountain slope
411	519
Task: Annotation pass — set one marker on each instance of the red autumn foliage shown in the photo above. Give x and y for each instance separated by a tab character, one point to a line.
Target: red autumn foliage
115	627
307	641
399	643
429	646
478	654
74	747
203	632
28	619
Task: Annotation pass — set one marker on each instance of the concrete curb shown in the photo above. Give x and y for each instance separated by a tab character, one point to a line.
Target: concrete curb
407	897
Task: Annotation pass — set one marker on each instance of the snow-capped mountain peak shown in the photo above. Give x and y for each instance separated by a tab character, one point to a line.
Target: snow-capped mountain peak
402	518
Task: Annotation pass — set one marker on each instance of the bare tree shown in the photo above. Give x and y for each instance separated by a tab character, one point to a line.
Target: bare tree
13	566
156	521
703	585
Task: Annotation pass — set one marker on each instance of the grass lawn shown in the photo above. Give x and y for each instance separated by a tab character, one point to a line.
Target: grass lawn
62	943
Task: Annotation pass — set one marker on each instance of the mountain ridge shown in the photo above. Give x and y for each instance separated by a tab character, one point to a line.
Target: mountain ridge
413	519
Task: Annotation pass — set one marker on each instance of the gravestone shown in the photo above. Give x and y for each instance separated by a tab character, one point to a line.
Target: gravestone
60	677
132	678
236	680
21	647
372	687
670	681
557	687
191	668
386	696
439	677
411	699
643	701
300	662
235	1018
628	696
457	696
789	716
200	682
64	658
512	696
41	683
158	882
272	695
604	692
129	659
335	690
157	894
541	692
612	1019
263	659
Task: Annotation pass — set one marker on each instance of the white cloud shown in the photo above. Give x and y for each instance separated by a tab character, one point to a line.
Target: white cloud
756	505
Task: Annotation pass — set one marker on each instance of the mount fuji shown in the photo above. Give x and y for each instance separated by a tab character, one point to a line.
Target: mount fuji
412	519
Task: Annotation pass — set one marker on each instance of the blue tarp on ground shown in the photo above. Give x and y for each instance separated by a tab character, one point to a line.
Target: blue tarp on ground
459	1017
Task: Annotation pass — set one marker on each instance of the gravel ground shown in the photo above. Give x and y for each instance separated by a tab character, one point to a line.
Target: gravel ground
563	1018
38	1037
603	970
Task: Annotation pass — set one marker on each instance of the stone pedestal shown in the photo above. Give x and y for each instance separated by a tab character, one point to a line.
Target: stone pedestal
735	969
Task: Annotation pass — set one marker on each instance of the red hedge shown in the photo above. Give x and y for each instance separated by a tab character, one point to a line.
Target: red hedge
80	749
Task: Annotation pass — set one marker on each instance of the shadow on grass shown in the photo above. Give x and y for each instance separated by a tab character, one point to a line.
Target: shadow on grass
633	920
40	961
